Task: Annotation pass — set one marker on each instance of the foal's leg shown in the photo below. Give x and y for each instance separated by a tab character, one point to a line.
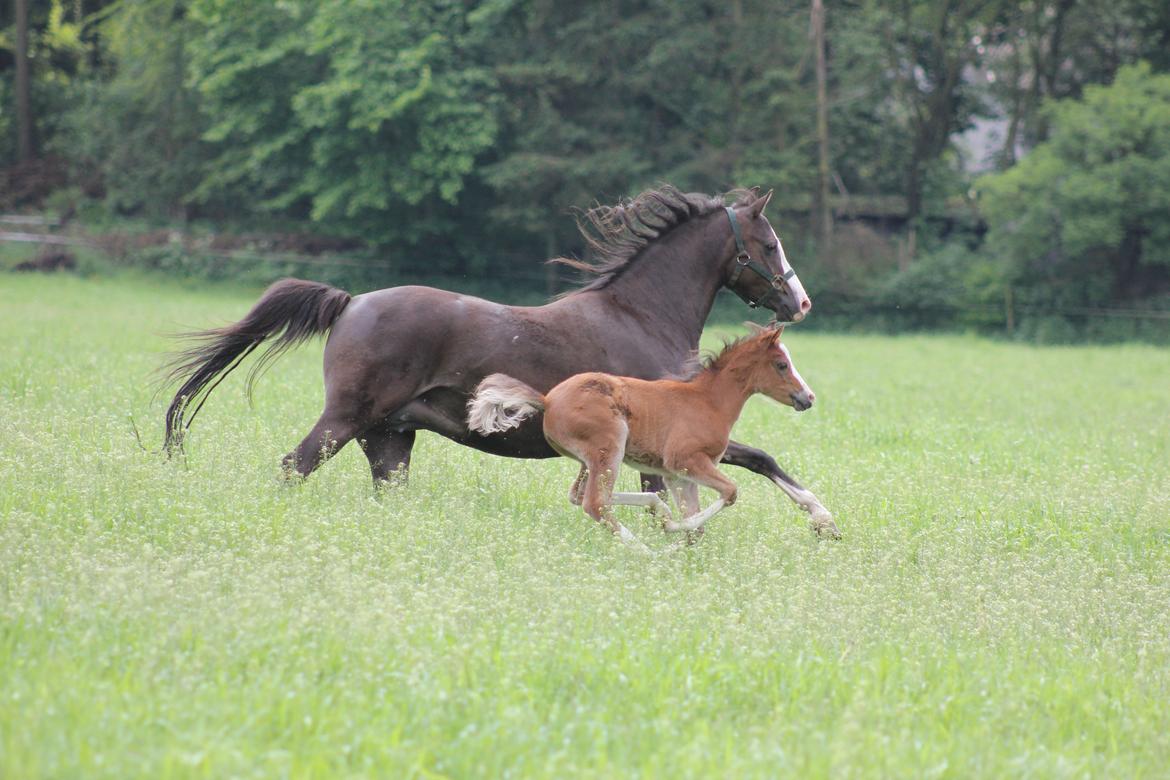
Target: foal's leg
577	491
762	463
651	501
388	451
653	483
702	470
686	496
598	494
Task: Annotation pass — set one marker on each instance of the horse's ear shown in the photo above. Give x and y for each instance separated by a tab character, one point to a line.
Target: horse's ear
759	204
778	329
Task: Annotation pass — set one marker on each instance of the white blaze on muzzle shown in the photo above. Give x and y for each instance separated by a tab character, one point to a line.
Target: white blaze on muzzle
804	388
802	302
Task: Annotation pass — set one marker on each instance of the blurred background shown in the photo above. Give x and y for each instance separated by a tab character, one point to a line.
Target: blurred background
1000	167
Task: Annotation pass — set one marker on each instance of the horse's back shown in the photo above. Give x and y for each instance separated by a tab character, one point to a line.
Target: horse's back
413	307
383	324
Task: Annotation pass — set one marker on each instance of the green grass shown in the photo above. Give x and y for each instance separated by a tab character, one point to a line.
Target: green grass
999	605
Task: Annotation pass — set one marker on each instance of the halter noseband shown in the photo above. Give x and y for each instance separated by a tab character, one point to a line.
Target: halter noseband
778	282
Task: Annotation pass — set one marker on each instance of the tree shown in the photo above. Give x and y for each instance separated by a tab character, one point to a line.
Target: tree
134	124
1084	214
368	118
820	210
929	44
24	122
1042	50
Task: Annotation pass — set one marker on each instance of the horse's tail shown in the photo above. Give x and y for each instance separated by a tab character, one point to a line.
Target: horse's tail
501	403
291	310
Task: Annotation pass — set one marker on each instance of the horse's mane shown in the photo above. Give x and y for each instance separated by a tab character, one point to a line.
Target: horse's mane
615	235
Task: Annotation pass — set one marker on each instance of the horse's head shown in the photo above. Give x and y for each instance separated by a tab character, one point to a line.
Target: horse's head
775	376
757	270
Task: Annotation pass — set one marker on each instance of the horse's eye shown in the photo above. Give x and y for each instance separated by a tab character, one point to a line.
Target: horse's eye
781	367
770	248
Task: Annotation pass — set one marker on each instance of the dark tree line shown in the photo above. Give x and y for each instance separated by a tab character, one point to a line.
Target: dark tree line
459	134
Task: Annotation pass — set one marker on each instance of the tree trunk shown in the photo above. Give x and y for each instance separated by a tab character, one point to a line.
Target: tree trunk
1007	157
736	87
821	219
24	125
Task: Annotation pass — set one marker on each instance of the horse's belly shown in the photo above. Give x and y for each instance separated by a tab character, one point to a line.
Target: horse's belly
645	462
443	411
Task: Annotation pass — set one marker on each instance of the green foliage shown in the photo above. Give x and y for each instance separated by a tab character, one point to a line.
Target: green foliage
132	133
952	286
1082	219
357	113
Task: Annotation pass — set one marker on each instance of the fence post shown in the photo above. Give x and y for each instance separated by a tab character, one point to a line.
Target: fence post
1009	308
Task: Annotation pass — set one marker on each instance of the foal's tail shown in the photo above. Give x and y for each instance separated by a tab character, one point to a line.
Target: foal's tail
501	403
291	310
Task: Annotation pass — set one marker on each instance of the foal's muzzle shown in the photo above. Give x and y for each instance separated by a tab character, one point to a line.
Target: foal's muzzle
802	401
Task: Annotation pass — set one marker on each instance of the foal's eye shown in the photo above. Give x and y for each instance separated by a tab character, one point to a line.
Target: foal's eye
781	367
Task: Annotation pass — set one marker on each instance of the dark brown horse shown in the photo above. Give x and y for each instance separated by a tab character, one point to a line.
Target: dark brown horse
408	358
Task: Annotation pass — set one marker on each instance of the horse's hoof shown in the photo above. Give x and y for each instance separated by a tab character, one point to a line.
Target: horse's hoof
824	527
290	477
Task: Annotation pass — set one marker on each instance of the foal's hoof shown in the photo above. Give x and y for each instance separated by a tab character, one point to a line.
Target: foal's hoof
824	526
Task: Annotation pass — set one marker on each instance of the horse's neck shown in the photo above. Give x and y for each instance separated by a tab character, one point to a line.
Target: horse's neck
674	281
727	390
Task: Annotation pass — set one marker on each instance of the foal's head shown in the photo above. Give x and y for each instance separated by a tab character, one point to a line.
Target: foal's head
765	366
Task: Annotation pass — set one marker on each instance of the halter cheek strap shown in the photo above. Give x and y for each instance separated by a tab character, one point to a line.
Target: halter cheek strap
777	282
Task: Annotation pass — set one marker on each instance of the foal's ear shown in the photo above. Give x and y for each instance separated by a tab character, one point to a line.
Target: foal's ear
769	333
757	330
756	208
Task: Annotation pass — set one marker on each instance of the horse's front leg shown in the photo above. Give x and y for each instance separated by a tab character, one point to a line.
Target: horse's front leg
764	464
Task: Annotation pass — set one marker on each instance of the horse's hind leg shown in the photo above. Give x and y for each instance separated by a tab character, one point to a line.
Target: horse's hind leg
330	434
651	483
388	450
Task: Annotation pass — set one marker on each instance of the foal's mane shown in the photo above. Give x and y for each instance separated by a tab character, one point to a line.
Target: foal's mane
615	235
720	361
712	361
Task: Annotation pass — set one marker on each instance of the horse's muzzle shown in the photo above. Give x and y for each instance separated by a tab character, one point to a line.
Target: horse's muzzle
803	401
790	313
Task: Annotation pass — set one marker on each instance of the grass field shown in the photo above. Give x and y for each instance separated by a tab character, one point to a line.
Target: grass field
999	605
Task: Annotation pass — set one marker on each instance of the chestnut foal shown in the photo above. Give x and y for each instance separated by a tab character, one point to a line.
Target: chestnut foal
678	429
